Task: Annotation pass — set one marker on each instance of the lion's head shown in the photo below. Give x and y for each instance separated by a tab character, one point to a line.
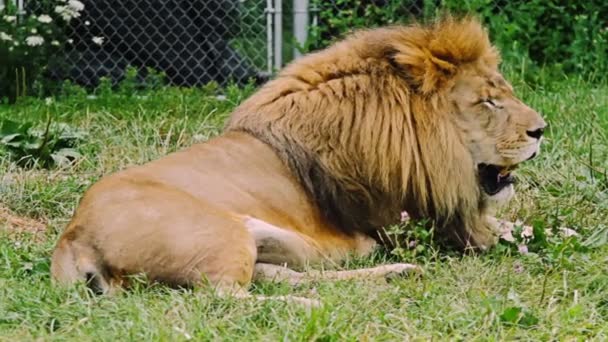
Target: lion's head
414	118
498	129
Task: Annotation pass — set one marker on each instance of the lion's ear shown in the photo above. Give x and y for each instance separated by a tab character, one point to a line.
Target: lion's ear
431	57
425	71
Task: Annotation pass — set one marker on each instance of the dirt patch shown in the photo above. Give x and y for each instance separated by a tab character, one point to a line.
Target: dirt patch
15	224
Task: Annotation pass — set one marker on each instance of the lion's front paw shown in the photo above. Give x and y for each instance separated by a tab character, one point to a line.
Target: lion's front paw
394	271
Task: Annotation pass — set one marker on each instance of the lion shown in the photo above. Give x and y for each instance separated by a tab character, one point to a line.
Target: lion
311	167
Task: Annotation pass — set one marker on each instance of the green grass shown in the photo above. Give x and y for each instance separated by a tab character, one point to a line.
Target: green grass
561	290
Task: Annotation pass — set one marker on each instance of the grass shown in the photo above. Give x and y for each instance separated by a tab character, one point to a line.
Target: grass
559	291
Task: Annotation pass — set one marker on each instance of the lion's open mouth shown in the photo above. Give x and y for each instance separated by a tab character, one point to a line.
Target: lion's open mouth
494	178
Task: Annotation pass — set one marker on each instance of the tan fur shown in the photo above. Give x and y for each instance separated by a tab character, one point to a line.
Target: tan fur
313	165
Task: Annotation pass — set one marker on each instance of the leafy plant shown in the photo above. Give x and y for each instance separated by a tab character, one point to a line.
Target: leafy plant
29	147
411	239
28	43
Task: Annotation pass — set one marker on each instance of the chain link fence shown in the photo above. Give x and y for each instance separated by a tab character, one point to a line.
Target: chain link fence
197	41
192	42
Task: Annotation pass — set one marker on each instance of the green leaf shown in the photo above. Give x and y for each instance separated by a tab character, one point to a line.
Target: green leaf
65	156
9	138
516	315
10	127
511	315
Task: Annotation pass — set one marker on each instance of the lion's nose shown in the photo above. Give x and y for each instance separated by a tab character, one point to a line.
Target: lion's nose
536	134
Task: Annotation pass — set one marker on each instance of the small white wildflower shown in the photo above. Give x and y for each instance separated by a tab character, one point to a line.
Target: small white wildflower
505	229
87	23
34	40
98	40
76	5
523	249
48	101
183	332
513	296
9	18
45	19
5	37
567	232
34	31
55	43
405	217
10	49
527	232
70	41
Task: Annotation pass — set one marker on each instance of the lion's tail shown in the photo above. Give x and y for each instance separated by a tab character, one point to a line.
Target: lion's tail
72	262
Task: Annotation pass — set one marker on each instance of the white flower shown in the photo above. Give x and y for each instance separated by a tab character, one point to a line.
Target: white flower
45	19
48	101
70	41
9	18
523	249
527	232
87	23
76	5
405	217
5	37
567	232
34	40
67	13
98	40
55	43
64	12
34	31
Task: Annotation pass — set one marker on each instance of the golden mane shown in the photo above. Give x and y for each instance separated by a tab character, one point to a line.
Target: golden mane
364	125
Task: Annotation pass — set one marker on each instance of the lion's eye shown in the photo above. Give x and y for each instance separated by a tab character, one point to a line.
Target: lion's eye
489	102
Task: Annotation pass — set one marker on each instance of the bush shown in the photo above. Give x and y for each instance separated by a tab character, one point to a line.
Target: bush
29	42
566	36
28	147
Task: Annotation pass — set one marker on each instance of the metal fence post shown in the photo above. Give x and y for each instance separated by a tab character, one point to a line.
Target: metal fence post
20	9
278	34
269	48
300	24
